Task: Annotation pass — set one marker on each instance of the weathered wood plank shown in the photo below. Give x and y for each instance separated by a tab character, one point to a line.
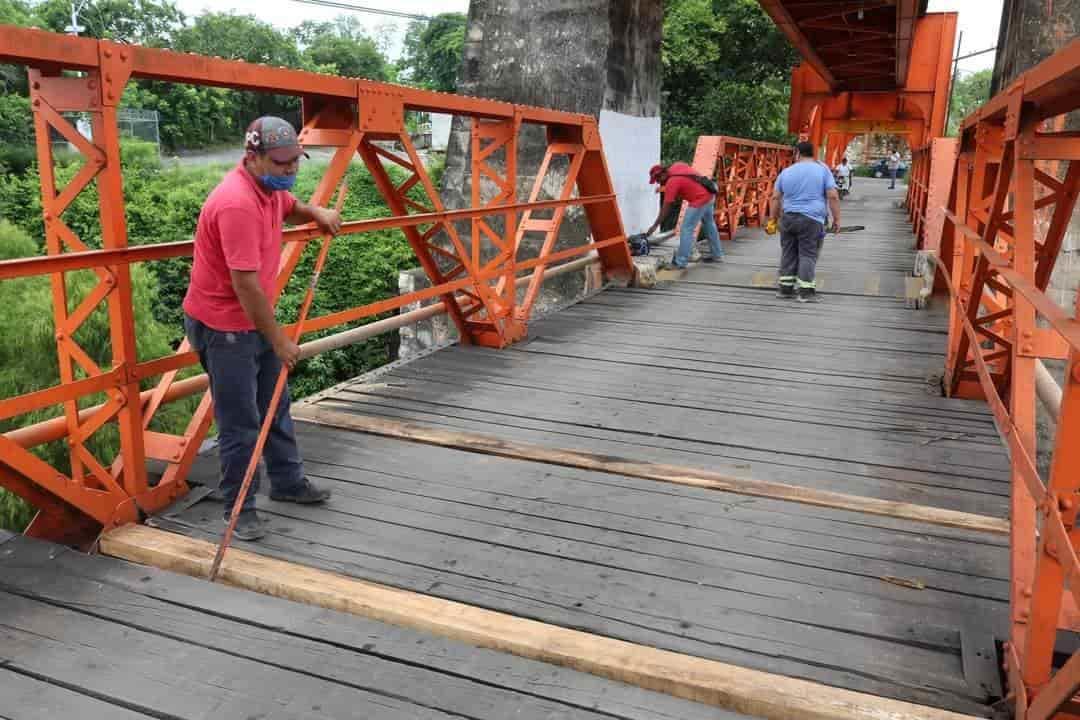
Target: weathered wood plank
23	697
341	649
651	471
706	681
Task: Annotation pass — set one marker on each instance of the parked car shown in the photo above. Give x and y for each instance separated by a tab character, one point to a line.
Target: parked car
880	169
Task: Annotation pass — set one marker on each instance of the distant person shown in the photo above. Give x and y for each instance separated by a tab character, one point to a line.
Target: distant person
680	183
803	197
842	174
229	315
843	171
894	166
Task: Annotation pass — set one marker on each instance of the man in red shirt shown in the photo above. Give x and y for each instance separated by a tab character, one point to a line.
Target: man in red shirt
679	184
229	314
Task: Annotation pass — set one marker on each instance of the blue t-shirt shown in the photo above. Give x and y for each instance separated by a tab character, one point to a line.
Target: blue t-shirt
803	186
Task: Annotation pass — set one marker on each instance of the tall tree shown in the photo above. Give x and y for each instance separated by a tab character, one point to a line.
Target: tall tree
145	22
726	72
347	57
432	54
967	94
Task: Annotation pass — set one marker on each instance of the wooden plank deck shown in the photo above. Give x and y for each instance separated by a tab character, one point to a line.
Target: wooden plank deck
712	372
96	638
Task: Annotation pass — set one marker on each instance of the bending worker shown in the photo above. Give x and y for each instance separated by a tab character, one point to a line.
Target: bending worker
229	314
805	192
680	182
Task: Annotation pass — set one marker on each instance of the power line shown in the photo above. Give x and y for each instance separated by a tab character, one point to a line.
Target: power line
360	8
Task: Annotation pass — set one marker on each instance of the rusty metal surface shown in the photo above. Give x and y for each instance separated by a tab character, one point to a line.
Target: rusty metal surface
1013	193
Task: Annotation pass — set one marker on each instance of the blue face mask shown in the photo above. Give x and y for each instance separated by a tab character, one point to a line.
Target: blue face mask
277	182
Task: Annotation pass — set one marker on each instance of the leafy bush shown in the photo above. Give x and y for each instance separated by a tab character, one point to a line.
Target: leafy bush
28	358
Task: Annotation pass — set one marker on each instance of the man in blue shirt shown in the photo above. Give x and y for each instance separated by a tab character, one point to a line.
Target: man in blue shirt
806	192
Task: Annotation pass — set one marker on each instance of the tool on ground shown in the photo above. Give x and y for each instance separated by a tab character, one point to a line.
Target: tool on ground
275	400
850	228
639	244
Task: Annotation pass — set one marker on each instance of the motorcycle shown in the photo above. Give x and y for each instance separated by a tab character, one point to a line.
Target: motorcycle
843	184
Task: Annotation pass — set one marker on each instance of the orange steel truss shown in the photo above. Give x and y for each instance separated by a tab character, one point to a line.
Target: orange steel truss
929	180
473	272
1013	193
830	116
745	171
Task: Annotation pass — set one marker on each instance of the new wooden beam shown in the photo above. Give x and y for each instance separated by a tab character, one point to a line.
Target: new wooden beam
707	681
679	475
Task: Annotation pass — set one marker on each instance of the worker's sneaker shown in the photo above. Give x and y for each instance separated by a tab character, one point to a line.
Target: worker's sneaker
786	292
712	258
808	295
249	527
308	494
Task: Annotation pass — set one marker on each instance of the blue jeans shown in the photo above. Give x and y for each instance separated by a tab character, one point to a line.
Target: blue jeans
706	215
892	178
243	370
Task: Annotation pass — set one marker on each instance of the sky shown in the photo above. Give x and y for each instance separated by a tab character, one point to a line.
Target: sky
978	18
288	13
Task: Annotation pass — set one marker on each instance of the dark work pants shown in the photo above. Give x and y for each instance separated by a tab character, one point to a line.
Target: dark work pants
800	242
243	370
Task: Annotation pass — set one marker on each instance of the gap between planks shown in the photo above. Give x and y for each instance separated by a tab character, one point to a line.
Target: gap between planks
675	474
743	690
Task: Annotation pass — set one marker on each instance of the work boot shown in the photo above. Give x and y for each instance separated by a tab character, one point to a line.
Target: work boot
308	494
808	295
785	291
249	527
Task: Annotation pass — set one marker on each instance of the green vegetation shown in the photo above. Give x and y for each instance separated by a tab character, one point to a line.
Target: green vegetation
968	94
433	52
726	71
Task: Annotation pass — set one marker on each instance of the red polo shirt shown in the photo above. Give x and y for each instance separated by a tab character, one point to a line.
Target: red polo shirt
677	189
239	229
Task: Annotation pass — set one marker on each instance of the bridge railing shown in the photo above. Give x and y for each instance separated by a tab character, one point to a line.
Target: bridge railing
471	255
1011	199
745	171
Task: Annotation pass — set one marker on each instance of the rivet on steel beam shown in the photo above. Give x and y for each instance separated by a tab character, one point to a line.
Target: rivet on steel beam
1076	373
37	85
37	102
1026	334
1026	591
123	55
108	53
1065	504
1026	348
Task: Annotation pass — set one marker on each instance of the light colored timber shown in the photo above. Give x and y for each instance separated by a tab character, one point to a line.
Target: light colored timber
707	681
676	474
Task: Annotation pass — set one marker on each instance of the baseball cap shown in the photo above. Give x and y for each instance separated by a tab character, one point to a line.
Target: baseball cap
274	136
654	174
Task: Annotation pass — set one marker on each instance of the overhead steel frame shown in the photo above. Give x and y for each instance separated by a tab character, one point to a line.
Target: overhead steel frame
745	171
476	285
1013	193
830	116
